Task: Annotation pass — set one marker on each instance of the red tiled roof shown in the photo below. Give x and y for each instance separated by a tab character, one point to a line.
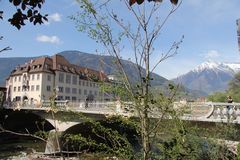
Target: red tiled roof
57	63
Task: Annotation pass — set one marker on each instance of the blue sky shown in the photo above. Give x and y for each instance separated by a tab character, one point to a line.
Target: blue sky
209	28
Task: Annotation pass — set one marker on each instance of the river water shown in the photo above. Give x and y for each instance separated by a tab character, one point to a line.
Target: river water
13	146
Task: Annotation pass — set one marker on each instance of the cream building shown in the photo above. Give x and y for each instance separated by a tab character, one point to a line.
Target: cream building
37	79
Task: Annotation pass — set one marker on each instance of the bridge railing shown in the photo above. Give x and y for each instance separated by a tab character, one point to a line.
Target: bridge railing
207	111
196	109
91	106
81	106
226	111
103	107
214	112
58	103
94	107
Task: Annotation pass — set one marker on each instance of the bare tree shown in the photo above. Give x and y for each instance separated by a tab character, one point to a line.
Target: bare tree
102	21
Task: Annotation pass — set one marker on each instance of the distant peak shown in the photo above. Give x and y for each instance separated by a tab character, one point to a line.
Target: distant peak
206	65
210	65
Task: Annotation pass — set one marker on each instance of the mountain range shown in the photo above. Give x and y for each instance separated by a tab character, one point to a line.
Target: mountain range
205	79
93	61
209	77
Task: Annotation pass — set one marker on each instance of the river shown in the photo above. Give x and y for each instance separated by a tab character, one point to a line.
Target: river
13	146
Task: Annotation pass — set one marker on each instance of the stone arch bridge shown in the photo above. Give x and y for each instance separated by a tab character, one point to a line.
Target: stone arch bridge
198	112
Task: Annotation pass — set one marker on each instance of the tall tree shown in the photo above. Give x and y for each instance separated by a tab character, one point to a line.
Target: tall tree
108	26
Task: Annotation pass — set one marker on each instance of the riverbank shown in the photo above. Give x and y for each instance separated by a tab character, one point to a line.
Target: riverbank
23	148
38	156
42	156
20	146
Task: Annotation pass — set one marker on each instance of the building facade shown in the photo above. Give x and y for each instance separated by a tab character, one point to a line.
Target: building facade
37	80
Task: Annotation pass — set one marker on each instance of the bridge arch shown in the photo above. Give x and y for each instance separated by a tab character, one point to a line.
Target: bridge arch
25	121
95	130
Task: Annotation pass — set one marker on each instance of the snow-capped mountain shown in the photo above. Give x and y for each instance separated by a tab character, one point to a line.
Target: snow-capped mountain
225	67
209	76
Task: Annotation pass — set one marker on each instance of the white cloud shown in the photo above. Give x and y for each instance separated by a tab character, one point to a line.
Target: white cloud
55	17
48	39
212	54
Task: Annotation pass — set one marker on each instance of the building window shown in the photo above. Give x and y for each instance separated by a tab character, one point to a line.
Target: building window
14	89
68	78
79	82
37	88
90	92
19	79
86	83
60	89
85	92
74	80
15	79
60	97
67	98
74	90
80	91
38	76
19	89
74	98
33	76
32	87
24	78
49	77
61	77
83	83
67	90
49	88
90	84
95	93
